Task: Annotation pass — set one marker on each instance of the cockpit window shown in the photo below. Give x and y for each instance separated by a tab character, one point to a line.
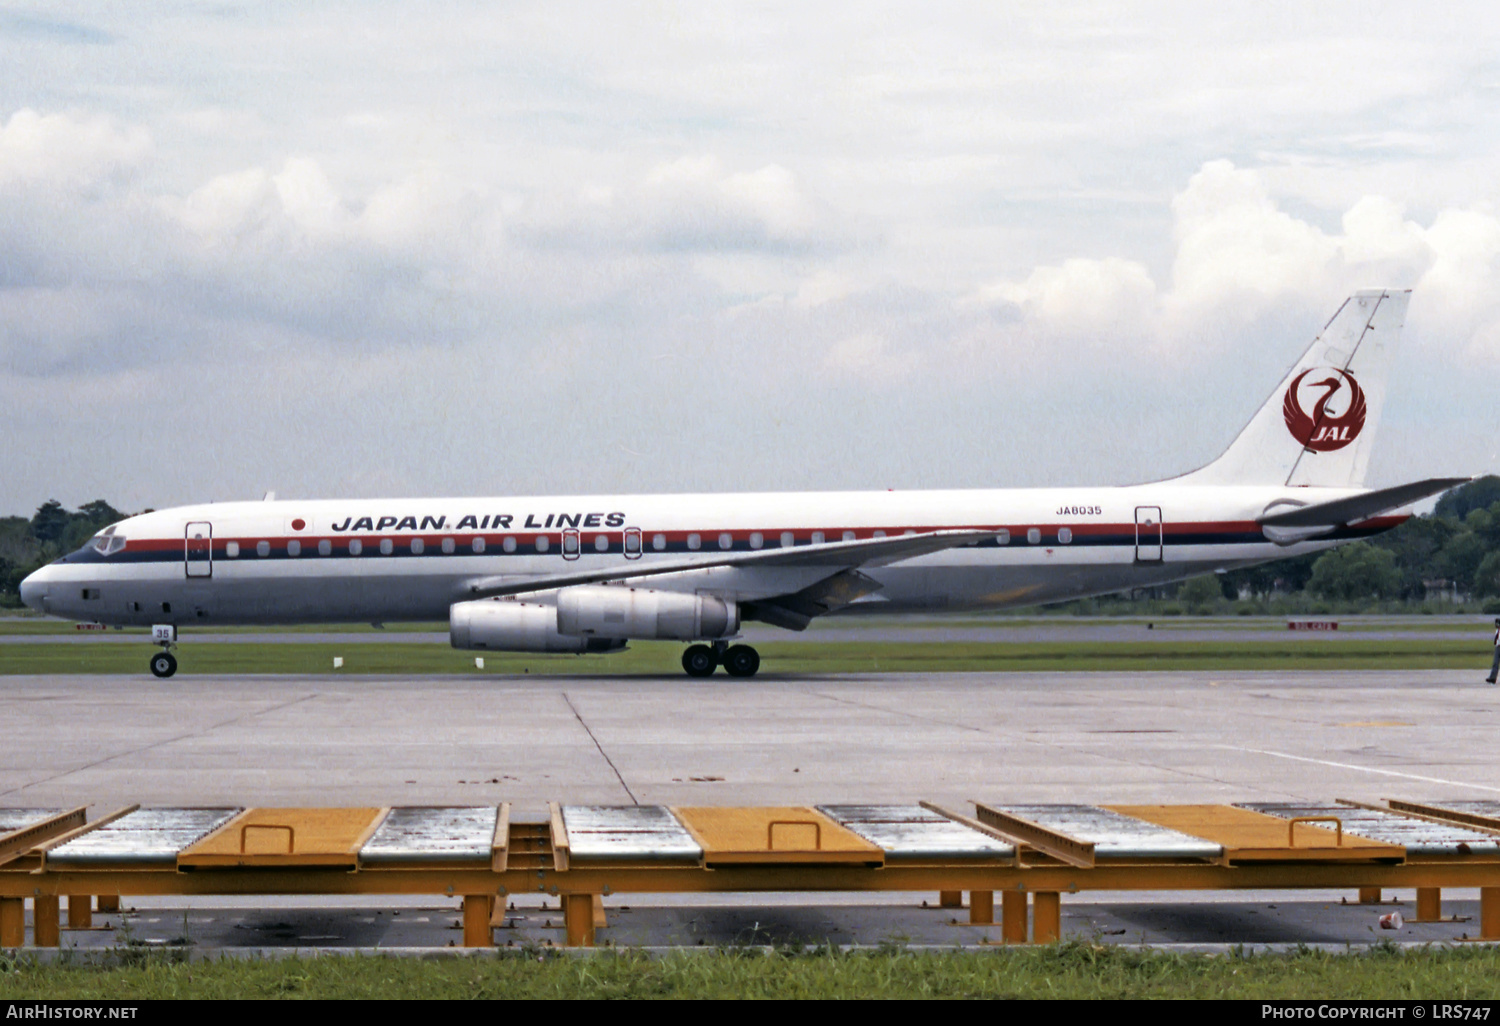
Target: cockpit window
107	542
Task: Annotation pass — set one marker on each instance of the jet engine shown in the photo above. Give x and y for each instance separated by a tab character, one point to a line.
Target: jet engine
614	612
516	627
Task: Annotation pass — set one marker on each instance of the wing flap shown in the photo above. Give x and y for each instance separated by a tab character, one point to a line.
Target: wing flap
795	611
840	555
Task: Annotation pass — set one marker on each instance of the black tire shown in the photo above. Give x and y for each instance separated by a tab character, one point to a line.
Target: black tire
164	664
699	661
741	661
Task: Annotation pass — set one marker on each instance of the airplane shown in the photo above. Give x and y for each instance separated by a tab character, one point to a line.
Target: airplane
591	573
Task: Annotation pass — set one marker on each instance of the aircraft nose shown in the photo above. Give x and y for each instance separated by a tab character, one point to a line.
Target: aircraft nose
34	590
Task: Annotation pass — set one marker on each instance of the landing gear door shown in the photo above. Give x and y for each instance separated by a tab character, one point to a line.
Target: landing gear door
1148	534
198	549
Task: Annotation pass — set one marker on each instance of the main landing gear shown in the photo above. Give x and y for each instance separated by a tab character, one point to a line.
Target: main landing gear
737	660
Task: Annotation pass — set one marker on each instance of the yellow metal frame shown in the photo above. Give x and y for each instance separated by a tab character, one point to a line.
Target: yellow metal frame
535	858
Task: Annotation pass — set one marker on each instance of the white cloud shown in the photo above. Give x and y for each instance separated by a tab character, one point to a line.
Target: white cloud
870	358
1082	299
1239	257
691	204
680	224
67	149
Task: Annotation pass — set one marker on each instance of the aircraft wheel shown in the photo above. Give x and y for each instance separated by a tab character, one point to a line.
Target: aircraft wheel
699	661
741	661
164	664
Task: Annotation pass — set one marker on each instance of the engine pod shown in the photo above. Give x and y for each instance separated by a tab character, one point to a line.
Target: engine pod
509	626
613	612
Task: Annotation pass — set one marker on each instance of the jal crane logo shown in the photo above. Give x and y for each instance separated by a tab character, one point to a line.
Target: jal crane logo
1337	409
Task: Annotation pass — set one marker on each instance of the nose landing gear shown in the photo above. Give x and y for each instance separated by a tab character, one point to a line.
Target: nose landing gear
737	660
164	663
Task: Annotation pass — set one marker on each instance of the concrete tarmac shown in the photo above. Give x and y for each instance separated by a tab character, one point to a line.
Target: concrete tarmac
1061	737
1054	737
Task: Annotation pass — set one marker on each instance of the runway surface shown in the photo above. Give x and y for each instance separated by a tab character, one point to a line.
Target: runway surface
1055	737
1098	737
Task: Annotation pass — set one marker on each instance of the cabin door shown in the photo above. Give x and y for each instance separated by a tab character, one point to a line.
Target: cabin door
198	549
1148	534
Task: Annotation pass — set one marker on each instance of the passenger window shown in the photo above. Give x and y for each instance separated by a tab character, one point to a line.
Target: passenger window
542	543
817	537
387	546
726	540
294	548
1064	535
757	539
509	544
355	546
1002	537
263	548
232	550
695	542
601	543
448	546
570	543
848	536
878	534
1033	536
325	547
788	539
417	545
658	542
477	545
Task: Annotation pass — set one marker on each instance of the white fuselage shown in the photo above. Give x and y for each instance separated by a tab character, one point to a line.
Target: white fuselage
411	559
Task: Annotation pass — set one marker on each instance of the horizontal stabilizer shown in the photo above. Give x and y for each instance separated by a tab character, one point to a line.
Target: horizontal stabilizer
1363	506
836	555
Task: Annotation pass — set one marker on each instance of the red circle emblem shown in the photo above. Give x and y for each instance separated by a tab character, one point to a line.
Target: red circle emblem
298	524
1338	409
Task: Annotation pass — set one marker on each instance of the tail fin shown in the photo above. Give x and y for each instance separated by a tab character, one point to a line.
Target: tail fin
1318	427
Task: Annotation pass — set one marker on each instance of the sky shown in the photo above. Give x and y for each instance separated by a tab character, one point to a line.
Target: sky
374	249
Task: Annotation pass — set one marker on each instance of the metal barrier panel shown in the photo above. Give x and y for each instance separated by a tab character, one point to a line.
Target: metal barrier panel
784	834
18	819
144	837
1420	837
291	837
1115	833
1247	835
914	833
628	833
420	833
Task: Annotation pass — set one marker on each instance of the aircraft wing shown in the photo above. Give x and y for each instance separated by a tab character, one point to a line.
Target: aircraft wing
1361	507
836	556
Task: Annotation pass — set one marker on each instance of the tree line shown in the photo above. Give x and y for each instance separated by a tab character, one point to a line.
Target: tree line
1451	554
51	532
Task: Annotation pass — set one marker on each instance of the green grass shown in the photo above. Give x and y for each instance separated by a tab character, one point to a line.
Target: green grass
16	626
662	658
1074	970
